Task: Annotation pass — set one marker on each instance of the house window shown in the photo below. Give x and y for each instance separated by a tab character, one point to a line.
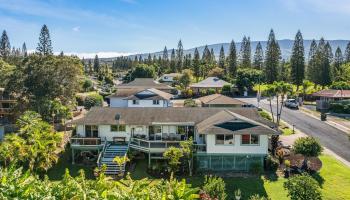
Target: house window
118	128
249	139
135	102
181	130
91	131
155	129
155	102
139	129
224	139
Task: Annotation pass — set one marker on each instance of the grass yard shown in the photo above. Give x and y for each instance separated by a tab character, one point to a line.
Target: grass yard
334	179
335	182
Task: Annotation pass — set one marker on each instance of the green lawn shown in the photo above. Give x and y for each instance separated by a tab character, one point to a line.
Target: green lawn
334	179
335	184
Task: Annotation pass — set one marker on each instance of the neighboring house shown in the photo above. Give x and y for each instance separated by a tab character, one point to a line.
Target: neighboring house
225	139
169	77
219	100
149	98
329	95
138	85
208	83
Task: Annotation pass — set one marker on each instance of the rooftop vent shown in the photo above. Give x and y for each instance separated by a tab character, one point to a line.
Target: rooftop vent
117	117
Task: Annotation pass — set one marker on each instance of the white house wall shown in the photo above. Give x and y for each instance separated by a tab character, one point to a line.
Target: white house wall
148	103
118	102
104	131
237	147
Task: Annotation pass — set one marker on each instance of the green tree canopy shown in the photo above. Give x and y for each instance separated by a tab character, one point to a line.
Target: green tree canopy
303	187
307	146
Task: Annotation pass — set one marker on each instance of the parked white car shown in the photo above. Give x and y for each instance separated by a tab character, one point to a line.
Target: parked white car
291	103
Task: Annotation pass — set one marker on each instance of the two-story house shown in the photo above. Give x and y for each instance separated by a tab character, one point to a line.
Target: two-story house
225	139
142	92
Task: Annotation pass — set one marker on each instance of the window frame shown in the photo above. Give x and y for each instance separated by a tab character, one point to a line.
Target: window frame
91	131
250	140
224	139
135	102
156	102
118	128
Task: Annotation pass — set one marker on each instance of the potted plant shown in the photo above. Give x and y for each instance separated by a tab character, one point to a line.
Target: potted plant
287	169
238	194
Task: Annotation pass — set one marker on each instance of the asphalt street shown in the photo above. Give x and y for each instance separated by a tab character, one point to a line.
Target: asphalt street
329	136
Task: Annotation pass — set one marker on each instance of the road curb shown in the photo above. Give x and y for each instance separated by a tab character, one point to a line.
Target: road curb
331	123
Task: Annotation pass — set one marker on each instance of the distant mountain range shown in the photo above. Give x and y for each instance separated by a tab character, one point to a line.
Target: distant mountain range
285	45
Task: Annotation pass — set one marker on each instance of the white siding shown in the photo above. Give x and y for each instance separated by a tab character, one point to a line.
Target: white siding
118	102
148	103
262	148
105	131
81	130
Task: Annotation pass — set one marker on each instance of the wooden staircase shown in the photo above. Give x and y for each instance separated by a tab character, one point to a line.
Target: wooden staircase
109	153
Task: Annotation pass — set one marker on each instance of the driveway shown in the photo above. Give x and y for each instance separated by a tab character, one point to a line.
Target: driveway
330	137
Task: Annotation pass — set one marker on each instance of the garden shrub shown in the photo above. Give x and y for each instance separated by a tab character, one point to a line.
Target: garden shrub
271	164
190	103
93	100
215	187
211	91
226	90
340	107
256	168
265	115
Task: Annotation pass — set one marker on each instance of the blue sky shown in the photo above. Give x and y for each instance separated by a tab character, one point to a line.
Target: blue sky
129	26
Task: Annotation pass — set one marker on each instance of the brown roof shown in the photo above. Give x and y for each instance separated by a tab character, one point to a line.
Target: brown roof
332	93
229	122
210	82
157	95
149	116
137	85
220	99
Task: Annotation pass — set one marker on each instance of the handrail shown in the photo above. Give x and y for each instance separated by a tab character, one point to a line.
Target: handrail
102	152
93	141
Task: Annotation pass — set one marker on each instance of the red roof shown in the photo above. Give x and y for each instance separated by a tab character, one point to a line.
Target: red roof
333	93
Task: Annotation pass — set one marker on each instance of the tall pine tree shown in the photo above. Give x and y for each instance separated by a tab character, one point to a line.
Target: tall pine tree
179	56
232	59
96	64
245	53
5	47
165	58
312	73
338	61
212	58
24	50
272	58
196	64
222	58
44	45
347	53
323	70
173	61
259	57
297	61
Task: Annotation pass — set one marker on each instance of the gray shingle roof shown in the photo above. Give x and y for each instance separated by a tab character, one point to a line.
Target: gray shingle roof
157	95
149	116
218	99
137	85
210	82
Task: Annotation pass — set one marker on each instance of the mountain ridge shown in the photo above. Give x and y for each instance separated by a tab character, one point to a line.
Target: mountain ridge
286	46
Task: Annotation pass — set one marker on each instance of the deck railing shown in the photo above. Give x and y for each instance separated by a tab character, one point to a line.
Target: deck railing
5	110
86	141
154	143
163	144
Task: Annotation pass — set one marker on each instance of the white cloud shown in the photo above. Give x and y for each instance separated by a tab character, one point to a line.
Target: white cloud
76	29
102	54
108	54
